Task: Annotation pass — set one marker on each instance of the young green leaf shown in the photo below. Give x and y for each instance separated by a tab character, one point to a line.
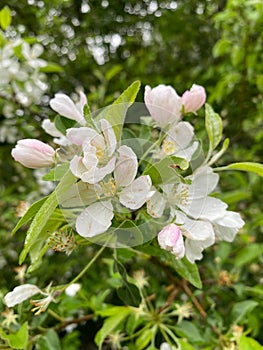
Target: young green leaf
18	340
31	211
247	343
214	126
115	114
5	17
44	214
241	309
250	167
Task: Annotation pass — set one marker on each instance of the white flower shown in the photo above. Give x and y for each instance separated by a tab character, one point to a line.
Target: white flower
20	294
178	141
130	192
73	289
97	160
31	54
63	105
163	104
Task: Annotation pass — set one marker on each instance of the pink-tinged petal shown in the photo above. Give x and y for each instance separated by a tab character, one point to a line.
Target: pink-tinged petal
163	104
170	238
20	294
109	136
77	136
33	153
228	226
96	174
95	219
63	105
76	166
126	167
194	99
136	194
156	205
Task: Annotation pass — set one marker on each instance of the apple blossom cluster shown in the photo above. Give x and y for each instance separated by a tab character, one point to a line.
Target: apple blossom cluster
22	83
113	182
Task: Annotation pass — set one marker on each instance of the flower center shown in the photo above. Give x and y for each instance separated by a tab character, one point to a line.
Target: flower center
169	147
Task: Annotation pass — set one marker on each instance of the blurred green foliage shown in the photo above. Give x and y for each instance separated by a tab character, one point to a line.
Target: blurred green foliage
104	46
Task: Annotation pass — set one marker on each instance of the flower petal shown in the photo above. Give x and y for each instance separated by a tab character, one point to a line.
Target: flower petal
182	134
76	166
82	102
63	105
78	135
227	227
156	205
20	293
126	167
163	104
136	194
95	219
193	249
96	174
109	136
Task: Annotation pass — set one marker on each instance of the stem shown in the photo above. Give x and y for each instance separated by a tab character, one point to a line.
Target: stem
85	269
55	315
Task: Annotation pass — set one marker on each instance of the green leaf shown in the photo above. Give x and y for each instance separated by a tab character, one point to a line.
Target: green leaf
50	341
115	114
241	309
165	171
44	214
214	126
62	124
87	115
144	339
17	340
187	270
5	17
31	211
248	253
250	167
56	173
129	294
51	68
189	331
113	71
111	323
246	343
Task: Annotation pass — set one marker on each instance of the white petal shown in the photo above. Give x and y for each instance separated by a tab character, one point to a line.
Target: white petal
194	229
50	128
78	135
207	208
126	167
73	289
90	158
76	166
227	227
63	105
136	194
188	152
182	134
96	174
95	219
193	249
109	136
82	102
156	205
20	293
204	182
37	50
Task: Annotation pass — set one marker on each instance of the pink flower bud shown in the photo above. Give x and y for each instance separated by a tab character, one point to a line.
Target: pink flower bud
194	99
170	238
163	104
33	153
